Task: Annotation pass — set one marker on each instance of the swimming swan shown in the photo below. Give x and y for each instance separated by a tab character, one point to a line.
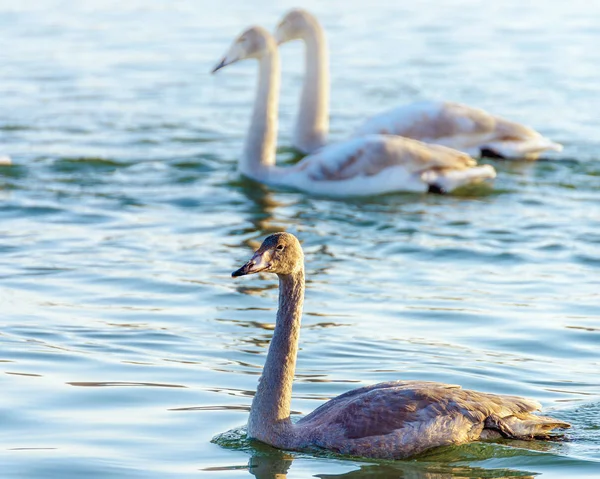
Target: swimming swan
390	420
458	126
370	165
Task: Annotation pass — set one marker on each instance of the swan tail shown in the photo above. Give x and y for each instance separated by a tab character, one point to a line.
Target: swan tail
525	426
529	148
449	180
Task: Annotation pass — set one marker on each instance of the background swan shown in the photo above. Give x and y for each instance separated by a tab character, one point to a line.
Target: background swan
5	160
465	128
368	165
389	420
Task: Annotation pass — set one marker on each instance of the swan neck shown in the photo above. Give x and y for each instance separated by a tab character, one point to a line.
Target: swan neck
259	149
312	123
270	412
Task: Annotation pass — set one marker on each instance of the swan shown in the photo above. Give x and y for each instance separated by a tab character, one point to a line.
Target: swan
5	160
455	125
391	420
369	165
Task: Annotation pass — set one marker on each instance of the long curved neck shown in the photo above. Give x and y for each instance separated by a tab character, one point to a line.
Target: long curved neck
259	149
270	412
312	123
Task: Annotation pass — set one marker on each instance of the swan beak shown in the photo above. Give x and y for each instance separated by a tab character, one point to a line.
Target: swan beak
221	64
259	262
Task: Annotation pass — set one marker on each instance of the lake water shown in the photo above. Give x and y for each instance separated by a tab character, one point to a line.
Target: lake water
126	346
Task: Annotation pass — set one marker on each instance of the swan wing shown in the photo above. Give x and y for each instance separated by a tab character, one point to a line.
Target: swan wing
458	126
429	120
370	155
378	164
337	404
396	420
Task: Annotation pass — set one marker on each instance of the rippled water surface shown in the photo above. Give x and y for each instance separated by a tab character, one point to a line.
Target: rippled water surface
125	346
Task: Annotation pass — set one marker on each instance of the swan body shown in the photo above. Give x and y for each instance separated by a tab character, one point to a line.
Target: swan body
367	165
458	126
391	420
377	164
462	127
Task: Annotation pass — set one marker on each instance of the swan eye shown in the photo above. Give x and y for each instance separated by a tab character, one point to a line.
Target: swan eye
280	247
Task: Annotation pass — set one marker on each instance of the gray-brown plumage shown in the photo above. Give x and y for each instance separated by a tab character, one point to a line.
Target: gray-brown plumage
391	420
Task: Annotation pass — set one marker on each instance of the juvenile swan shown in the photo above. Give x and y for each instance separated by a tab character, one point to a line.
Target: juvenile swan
370	165
391	420
458	126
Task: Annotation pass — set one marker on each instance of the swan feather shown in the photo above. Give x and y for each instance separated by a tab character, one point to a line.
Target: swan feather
382	163
459	126
399	419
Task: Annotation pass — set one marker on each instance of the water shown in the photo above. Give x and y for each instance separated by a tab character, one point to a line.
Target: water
126	347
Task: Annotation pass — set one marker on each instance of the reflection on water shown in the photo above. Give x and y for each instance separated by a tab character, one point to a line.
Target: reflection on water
269	463
270	467
261	208
500	458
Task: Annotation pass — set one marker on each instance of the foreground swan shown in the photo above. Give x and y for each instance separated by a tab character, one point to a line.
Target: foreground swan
389	420
465	128
370	165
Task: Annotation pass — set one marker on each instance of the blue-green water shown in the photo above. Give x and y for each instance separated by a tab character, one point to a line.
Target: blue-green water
125	346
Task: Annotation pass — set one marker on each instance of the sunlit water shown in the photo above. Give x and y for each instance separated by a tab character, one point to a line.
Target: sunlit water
126	347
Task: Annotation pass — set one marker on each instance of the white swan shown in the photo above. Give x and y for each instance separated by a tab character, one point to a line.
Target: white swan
391	420
369	165
458	126
5	160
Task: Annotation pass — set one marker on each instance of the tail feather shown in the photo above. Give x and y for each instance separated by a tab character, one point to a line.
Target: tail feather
529	148
529	426
448	180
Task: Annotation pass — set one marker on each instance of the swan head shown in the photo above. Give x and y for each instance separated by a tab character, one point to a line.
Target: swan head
253	43
293	25
279	253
